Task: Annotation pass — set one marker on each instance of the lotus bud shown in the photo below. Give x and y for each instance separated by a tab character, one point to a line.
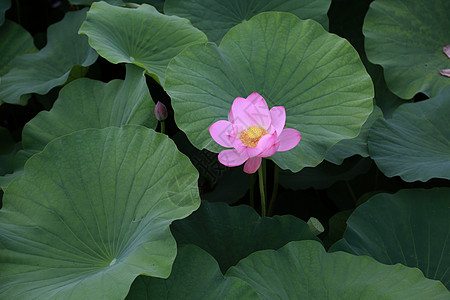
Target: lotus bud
160	111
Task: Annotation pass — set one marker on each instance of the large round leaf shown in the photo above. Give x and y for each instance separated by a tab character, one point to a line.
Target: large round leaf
50	67
410	227
14	41
87	103
231	233
141	36
406	37
415	143
216	17
92	212
195	275
303	270
316	76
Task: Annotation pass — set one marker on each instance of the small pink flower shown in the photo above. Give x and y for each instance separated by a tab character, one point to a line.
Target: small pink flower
254	132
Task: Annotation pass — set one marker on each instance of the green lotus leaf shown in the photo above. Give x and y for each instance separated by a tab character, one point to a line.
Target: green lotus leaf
355	146
50	67
415	143
91	212
141	36
195	275
406	38
216	17
231	233
87	103
4	6
316	76
410	227
303	270
14	41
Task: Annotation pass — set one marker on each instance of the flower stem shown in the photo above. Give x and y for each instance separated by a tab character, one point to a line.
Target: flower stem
18	12
163	127
377	173
252	190
262	188
274	191
350	190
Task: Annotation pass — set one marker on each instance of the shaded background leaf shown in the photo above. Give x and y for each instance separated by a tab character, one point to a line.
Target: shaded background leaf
325	175
50	67
14	41
355	146
215	179
216	17
195	275
415	143
4	6
304	269
410	227
346	20
89	2
406	38
231	233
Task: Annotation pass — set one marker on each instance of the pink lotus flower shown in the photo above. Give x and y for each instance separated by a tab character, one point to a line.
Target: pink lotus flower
254	132
446	50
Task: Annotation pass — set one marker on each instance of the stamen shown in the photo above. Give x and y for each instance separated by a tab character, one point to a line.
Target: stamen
251	136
